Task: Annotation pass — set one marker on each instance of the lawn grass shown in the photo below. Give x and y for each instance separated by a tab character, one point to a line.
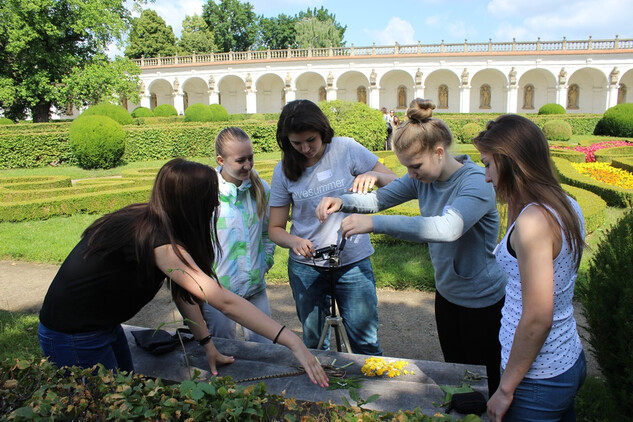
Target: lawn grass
18	336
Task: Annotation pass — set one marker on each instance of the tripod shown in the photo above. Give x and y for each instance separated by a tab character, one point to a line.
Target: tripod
333	320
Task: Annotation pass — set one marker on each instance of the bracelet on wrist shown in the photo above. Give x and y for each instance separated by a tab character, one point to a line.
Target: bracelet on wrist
204	341
277	336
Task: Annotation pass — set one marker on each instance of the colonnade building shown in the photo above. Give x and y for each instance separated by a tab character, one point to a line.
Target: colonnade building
585	76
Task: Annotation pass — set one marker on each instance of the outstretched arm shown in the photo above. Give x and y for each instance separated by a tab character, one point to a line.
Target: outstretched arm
380	175
189	276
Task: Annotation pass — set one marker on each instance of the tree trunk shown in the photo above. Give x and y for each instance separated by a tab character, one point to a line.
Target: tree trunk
41	112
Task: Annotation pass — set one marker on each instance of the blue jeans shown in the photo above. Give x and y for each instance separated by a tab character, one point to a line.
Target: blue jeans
549	399
220	325
108	347
355	296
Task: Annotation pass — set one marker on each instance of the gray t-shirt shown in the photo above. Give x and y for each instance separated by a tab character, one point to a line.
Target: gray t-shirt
332	175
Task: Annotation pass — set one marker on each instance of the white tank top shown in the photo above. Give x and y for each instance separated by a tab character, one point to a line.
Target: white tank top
562	346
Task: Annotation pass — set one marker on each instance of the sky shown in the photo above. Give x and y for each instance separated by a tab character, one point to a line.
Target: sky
452	21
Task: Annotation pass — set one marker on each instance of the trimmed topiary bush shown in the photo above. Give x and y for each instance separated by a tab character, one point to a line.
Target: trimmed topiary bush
115	112
6	121
219	113
617	121
198	113
165	110
552	108
358	121
468	132
557	130
142	112
97	141
608	300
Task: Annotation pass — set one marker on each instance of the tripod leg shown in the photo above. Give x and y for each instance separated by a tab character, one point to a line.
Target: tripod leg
326	330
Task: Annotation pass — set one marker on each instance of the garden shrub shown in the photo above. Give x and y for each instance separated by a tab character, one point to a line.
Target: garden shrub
142	112
552	108
608	300
115	112
468	132
358	121
198	113
6	121
617	121
557	130
219	113
165	110
97	142
607	155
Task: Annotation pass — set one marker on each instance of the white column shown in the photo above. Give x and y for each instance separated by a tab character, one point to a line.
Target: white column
464	98
146	101
251	101
374	97
331	93
214	97
612	95
291	94
418	92
511	98
178	103
561	95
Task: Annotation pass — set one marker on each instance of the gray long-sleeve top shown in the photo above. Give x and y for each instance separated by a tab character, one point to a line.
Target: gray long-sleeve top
459	220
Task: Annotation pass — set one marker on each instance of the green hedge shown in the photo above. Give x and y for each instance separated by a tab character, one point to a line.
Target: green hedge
625	163
569	155
607	155
29	150
613	195
594	208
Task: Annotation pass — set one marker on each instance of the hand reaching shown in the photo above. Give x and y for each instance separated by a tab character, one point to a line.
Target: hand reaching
328	206
364	183
356	224
215	358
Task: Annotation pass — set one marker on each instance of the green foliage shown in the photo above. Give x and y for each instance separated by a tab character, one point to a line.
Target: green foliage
165	110
356	120
323	15
607	155
97	141
196	37
218	113
594	403
617	121
233	24
150	37
277	33
28	150
142	112
557	130
18	337
468	132
116	113
608	300
45	41
312	32
552	108
198	113
6	121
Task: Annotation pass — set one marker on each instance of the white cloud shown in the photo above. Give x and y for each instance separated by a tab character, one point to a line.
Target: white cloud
174	12
397	30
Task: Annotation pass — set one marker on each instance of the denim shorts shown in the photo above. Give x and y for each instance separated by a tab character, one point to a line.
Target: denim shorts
108	347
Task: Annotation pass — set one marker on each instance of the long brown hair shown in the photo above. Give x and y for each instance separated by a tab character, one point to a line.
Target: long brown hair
296	117
182	205
421	132
521	155
258	193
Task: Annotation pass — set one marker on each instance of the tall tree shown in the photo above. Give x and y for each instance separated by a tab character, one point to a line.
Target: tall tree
150	37
196	36
234	24
323	15
42	41
312	32
277	33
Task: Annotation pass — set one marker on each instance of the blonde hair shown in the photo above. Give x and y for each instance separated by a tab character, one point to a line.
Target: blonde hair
258	193
421	131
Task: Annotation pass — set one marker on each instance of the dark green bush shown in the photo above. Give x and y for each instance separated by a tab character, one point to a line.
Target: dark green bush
97	141
557	130
198	113
468	132
165	110
617	121
142	112
6	121
608	301
552	108
358	121
115	112
219	113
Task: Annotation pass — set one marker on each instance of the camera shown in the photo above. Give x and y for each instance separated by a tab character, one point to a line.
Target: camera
325	253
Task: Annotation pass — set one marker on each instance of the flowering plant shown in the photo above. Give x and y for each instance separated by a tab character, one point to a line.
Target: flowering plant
591	149
377	366
603	172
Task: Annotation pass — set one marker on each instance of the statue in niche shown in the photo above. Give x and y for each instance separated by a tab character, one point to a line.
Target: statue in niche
249	82
418	78
372	77
614	76
330	80
176	85
484	96
465	77
402	97
153	101
528	97
442	94
572	97
185	100
211	83
622	94
141	88
512	76
288	81
562	77
361	94
322	94
283	96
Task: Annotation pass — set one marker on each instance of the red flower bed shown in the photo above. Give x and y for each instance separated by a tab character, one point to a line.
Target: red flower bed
589	151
